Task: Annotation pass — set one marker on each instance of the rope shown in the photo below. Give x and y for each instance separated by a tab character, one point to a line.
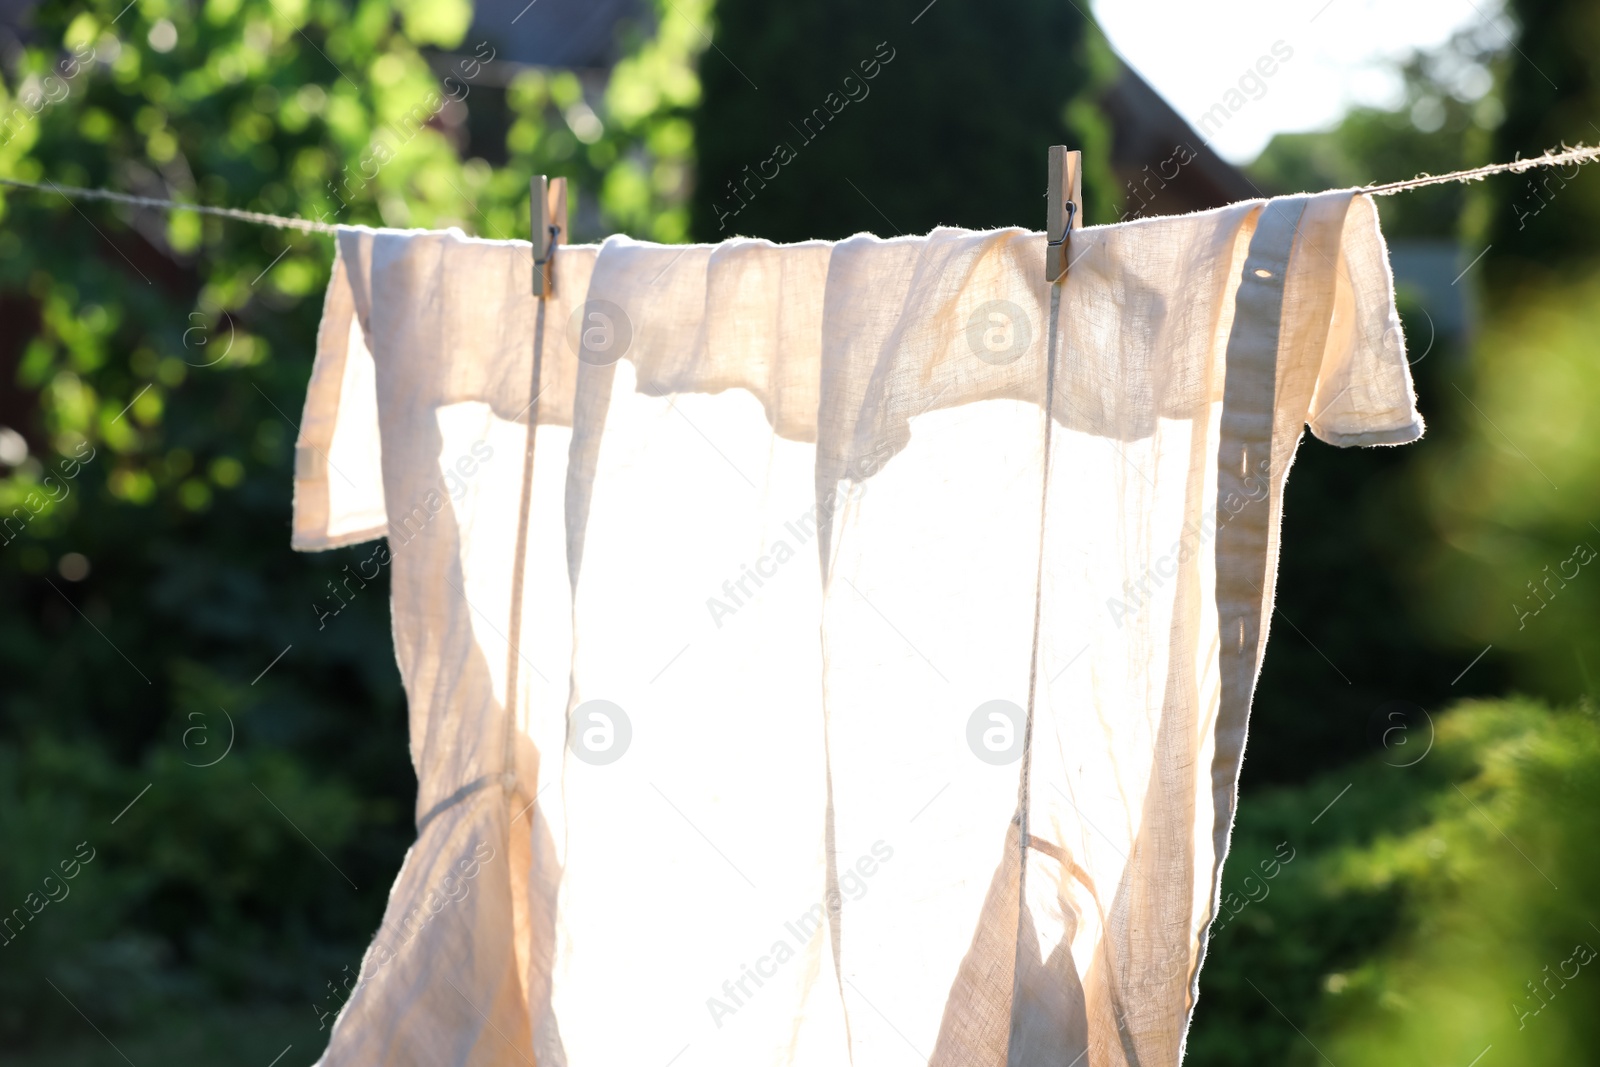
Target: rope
1579	155
260	219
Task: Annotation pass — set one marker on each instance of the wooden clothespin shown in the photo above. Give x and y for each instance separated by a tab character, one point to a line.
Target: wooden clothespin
549	216
1065	211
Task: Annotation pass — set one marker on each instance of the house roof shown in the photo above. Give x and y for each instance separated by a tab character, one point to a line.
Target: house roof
1150	141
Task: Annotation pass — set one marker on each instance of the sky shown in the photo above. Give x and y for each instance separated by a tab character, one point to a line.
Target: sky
1340	55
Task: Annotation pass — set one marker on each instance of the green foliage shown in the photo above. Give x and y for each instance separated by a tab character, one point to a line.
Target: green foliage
1513	501
1501	880
156	366
200	885
826	119
1420	905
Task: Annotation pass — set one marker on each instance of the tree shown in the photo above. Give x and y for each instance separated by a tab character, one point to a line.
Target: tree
168	681
1545	221
825	119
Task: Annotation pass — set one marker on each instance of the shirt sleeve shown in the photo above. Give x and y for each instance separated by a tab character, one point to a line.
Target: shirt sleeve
1363	392
338	477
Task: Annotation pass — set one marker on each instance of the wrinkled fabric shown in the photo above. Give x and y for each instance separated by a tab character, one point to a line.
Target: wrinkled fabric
826	653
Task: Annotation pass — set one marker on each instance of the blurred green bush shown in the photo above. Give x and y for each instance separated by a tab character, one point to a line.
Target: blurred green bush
199	870
1515	503
1430	912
